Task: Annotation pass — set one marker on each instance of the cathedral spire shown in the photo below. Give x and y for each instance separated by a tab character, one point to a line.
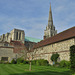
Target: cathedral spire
50	20
50	28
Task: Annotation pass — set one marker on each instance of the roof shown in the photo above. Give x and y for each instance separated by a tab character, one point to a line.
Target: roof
67	34
32	39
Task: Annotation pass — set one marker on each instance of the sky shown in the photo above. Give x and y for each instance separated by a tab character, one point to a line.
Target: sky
32	16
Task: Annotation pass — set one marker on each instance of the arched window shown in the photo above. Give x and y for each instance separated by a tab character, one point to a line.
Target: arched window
20	36
17	36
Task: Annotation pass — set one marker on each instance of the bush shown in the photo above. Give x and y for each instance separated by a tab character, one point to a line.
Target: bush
33	62
43	62
72	57
20	60
65	63
54	57
13	61
40	62
25	62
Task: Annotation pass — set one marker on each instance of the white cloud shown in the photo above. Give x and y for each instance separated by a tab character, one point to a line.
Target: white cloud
32	16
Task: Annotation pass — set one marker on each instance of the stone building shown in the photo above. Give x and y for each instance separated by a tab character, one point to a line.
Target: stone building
15	35
12	50
13	45
59	43
50	28
53	43
6	51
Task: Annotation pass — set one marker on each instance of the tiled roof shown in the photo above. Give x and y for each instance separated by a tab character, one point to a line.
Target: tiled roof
67	34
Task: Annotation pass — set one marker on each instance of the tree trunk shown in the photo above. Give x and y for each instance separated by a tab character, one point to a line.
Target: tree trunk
30	66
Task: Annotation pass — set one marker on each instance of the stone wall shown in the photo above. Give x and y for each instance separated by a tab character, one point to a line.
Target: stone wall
62	48
7	52
12	50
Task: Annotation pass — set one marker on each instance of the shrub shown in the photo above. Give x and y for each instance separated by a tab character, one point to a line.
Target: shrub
33	62
37	62
13	61
54	57
20	60
25	62
43	62
40	62
65	63
72	57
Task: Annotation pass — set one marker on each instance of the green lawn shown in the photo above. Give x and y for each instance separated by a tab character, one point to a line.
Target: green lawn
22	69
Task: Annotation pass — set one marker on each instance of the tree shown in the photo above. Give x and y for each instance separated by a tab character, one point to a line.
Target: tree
29	58
54	57
72	57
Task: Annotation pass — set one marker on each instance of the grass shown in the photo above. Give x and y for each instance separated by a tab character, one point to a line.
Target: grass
22	69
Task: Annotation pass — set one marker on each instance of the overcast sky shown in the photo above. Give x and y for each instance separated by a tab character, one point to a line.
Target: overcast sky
32	15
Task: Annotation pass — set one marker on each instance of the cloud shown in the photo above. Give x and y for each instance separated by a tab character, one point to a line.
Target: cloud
32	15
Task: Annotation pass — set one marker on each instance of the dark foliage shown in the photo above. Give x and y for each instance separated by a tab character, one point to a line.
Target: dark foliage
54	57
13	61
72	57
20	60
40	62
65	63
26	62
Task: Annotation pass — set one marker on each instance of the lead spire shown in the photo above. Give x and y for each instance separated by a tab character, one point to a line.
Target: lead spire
50	20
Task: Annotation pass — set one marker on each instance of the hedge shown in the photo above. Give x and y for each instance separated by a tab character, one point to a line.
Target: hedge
65	63
72	57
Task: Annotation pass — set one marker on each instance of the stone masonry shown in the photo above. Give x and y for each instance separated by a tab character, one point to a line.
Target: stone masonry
45	52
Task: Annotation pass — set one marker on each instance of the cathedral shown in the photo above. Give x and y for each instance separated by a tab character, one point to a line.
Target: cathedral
15	44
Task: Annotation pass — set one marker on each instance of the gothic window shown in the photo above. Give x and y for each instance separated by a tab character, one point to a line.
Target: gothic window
54	28
17	36
20	36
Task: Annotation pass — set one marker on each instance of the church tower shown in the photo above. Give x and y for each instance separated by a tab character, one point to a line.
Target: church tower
50	28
